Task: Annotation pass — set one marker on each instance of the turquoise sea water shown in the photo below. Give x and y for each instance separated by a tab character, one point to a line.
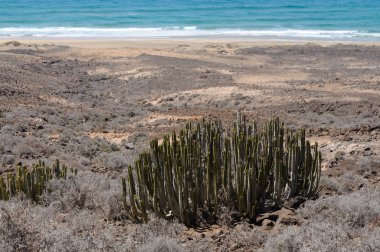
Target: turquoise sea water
313	19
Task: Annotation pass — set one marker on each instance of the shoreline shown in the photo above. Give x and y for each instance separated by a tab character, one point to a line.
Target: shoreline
103	42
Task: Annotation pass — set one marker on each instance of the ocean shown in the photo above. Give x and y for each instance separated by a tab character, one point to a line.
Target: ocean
357	20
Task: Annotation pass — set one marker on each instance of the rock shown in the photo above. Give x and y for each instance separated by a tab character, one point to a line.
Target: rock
294	202
22	128
235	216
268	224
61	218
131	114
347	138
234	246
367	151
332	163
270	216
129	146
119	224
339	155
289	221
214	236
8	159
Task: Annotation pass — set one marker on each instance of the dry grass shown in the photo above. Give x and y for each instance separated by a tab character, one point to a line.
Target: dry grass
73	219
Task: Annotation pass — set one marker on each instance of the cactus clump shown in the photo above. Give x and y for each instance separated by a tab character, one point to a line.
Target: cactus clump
206	166
30	182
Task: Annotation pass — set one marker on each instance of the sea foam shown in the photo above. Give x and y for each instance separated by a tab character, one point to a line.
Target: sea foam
191	31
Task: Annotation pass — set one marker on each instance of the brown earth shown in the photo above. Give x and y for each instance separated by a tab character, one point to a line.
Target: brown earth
98	108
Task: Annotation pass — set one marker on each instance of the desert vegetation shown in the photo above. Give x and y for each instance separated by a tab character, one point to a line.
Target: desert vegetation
202	169
30	183
190	177
98	111
207	166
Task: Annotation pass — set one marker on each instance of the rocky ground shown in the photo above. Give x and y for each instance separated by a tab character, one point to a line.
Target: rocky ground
96	109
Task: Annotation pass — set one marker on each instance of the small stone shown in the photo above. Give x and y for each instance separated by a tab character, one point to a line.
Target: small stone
269	216
235	216
290	221
268	224
8	160
131	114
129	146
22	128
61	218
234	246
294	202
119	224
348	138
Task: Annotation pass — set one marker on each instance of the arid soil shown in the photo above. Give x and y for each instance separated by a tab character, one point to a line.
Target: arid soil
96	109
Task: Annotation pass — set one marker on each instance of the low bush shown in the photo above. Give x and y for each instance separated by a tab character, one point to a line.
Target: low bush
161	244
113	161
338	223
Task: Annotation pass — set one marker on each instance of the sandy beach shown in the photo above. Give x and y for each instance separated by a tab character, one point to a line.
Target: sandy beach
96	104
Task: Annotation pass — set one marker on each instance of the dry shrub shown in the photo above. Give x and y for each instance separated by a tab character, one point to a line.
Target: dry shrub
113	161
88	147
332	184
68	222
338	223
246	236
24	147
161	244
143	233
14	234
6	143
87	190
13	43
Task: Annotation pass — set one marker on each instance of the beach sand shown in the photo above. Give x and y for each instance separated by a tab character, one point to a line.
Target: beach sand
59	96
